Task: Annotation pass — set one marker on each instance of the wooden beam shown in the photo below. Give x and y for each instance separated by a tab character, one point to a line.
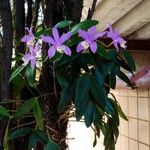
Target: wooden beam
142	33
135	19
109	11
132	44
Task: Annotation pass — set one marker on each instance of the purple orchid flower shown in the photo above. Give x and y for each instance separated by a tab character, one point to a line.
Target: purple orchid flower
90	38
32	55
29	38
57	43
114	35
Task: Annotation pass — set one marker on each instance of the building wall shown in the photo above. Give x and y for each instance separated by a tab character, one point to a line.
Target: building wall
135	133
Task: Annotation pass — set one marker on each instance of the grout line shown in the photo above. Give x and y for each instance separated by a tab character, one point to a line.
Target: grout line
134	140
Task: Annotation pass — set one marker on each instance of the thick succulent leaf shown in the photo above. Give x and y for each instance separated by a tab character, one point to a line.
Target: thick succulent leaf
38	114
88	115
98	93
16	72
25	107
52	146
82	94
20	132
83	25
130	60
32	141
41	136
112	80
63	24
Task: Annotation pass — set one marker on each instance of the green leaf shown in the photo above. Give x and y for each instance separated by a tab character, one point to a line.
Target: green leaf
97	116
41	136
88	115
109	108
95	141
82	94
52	146
121	113
38	114
112	80
18	83
129	59
98	93
41	32
64	100
4	112
20	132
30	73
123	77
32	141
63	24
16	72
62	79
26	107
84	25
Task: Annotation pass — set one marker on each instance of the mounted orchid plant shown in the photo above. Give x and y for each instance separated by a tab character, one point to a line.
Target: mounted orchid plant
86	70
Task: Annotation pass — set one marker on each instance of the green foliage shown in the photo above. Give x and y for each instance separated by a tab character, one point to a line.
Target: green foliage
19	132
85	79
26	107
16	72
38	114
83	25
4	112
63	24
82	95
130	60
52	146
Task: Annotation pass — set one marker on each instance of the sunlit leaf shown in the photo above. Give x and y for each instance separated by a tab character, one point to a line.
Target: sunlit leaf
16	72
26	107
63	24
83	25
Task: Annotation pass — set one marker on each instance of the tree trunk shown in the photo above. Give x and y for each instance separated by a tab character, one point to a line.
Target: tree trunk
55	123
5	58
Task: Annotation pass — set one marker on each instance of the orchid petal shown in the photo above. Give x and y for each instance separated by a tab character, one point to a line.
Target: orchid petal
51	51
98	35
55	34
48	39
27	58
116	45
83	34
80	47
65	37
33	63
92	30
111	29
26	38
93	47
66	50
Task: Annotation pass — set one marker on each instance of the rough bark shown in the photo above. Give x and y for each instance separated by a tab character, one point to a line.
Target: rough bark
5	58
29	13
19	24
36	12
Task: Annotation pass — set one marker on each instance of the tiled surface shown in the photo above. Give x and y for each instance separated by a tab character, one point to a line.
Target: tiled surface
133	107
144	131
133	128
133	145
135	133
143	108
143	147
